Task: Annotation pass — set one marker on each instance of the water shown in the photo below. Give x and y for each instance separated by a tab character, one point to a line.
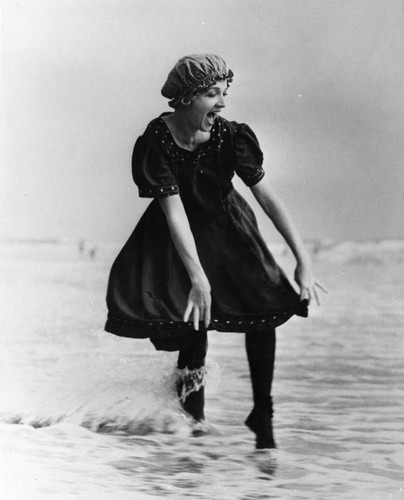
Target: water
85	414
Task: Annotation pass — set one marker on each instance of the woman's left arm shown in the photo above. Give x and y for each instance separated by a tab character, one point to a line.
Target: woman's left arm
279	215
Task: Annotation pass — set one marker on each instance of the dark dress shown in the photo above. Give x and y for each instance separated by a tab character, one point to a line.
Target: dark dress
148	286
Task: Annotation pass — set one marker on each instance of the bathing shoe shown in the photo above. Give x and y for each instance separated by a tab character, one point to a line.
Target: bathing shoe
260	422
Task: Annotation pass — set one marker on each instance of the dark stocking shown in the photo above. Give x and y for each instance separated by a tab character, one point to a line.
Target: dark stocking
260	348
193	356
190	386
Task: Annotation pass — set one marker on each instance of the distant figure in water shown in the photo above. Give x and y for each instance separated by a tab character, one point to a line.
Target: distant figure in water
92	252
316	249
196	260
82	244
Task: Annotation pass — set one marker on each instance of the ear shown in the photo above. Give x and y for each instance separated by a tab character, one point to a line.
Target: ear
189	98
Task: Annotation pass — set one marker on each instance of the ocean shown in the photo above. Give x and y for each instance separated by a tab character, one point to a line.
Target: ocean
88	415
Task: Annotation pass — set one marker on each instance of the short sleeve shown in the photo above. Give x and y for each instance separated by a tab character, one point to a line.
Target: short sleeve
151	170
249	157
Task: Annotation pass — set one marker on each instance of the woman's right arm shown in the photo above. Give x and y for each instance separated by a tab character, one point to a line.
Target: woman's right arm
199	299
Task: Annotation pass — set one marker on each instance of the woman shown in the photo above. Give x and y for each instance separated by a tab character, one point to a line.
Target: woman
196	260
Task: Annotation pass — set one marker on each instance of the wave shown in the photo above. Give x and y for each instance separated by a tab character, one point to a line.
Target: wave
138	400
165	422
364	252
370	252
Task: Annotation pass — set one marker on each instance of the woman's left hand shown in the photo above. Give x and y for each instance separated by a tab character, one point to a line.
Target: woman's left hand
304	278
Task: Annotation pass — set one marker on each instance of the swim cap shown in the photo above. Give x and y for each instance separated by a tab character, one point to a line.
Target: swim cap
194	72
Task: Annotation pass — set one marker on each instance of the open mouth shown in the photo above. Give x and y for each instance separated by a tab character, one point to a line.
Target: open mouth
211	116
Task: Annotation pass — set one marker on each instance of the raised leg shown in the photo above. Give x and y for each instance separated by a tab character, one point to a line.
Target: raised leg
192	376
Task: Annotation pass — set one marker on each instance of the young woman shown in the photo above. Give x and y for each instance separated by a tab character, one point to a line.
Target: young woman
196	260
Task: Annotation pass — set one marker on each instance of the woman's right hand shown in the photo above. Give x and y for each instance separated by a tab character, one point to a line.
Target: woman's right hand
199	302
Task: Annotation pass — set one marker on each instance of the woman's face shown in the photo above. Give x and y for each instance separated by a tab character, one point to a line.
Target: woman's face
206	105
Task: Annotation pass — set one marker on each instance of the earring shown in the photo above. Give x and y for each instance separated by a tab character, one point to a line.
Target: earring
185	102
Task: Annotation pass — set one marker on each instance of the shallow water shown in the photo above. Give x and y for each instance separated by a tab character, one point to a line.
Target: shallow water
85	414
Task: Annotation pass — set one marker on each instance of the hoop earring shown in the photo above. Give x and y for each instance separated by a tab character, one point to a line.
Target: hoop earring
185	102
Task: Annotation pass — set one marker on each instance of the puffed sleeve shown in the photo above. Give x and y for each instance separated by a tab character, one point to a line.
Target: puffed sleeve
249	157
151	170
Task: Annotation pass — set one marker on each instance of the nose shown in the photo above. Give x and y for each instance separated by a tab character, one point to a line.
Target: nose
221	102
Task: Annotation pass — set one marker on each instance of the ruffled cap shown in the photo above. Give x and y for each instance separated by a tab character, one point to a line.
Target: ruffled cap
195	72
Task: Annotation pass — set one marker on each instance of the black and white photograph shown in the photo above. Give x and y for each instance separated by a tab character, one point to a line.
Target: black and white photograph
202	250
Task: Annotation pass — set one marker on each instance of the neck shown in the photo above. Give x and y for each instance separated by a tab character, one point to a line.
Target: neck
184	132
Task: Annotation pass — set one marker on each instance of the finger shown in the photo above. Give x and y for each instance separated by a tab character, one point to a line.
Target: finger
196	318
205	313
321	287
316	296
188	311
305	294
207	316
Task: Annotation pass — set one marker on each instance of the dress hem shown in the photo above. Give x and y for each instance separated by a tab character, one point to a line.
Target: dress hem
167	331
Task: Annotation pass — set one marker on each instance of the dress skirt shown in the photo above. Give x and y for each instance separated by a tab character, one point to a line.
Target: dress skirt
149	286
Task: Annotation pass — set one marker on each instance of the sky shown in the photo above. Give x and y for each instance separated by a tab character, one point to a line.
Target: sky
321	82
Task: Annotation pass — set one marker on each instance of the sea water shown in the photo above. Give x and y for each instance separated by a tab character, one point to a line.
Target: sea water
85	414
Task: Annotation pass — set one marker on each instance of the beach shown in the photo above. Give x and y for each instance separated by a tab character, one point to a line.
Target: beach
86	414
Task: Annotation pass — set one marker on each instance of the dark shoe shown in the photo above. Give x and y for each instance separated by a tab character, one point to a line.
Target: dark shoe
193	402
194	405
260	422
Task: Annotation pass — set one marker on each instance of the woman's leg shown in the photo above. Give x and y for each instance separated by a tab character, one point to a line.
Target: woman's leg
192	376
260	346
